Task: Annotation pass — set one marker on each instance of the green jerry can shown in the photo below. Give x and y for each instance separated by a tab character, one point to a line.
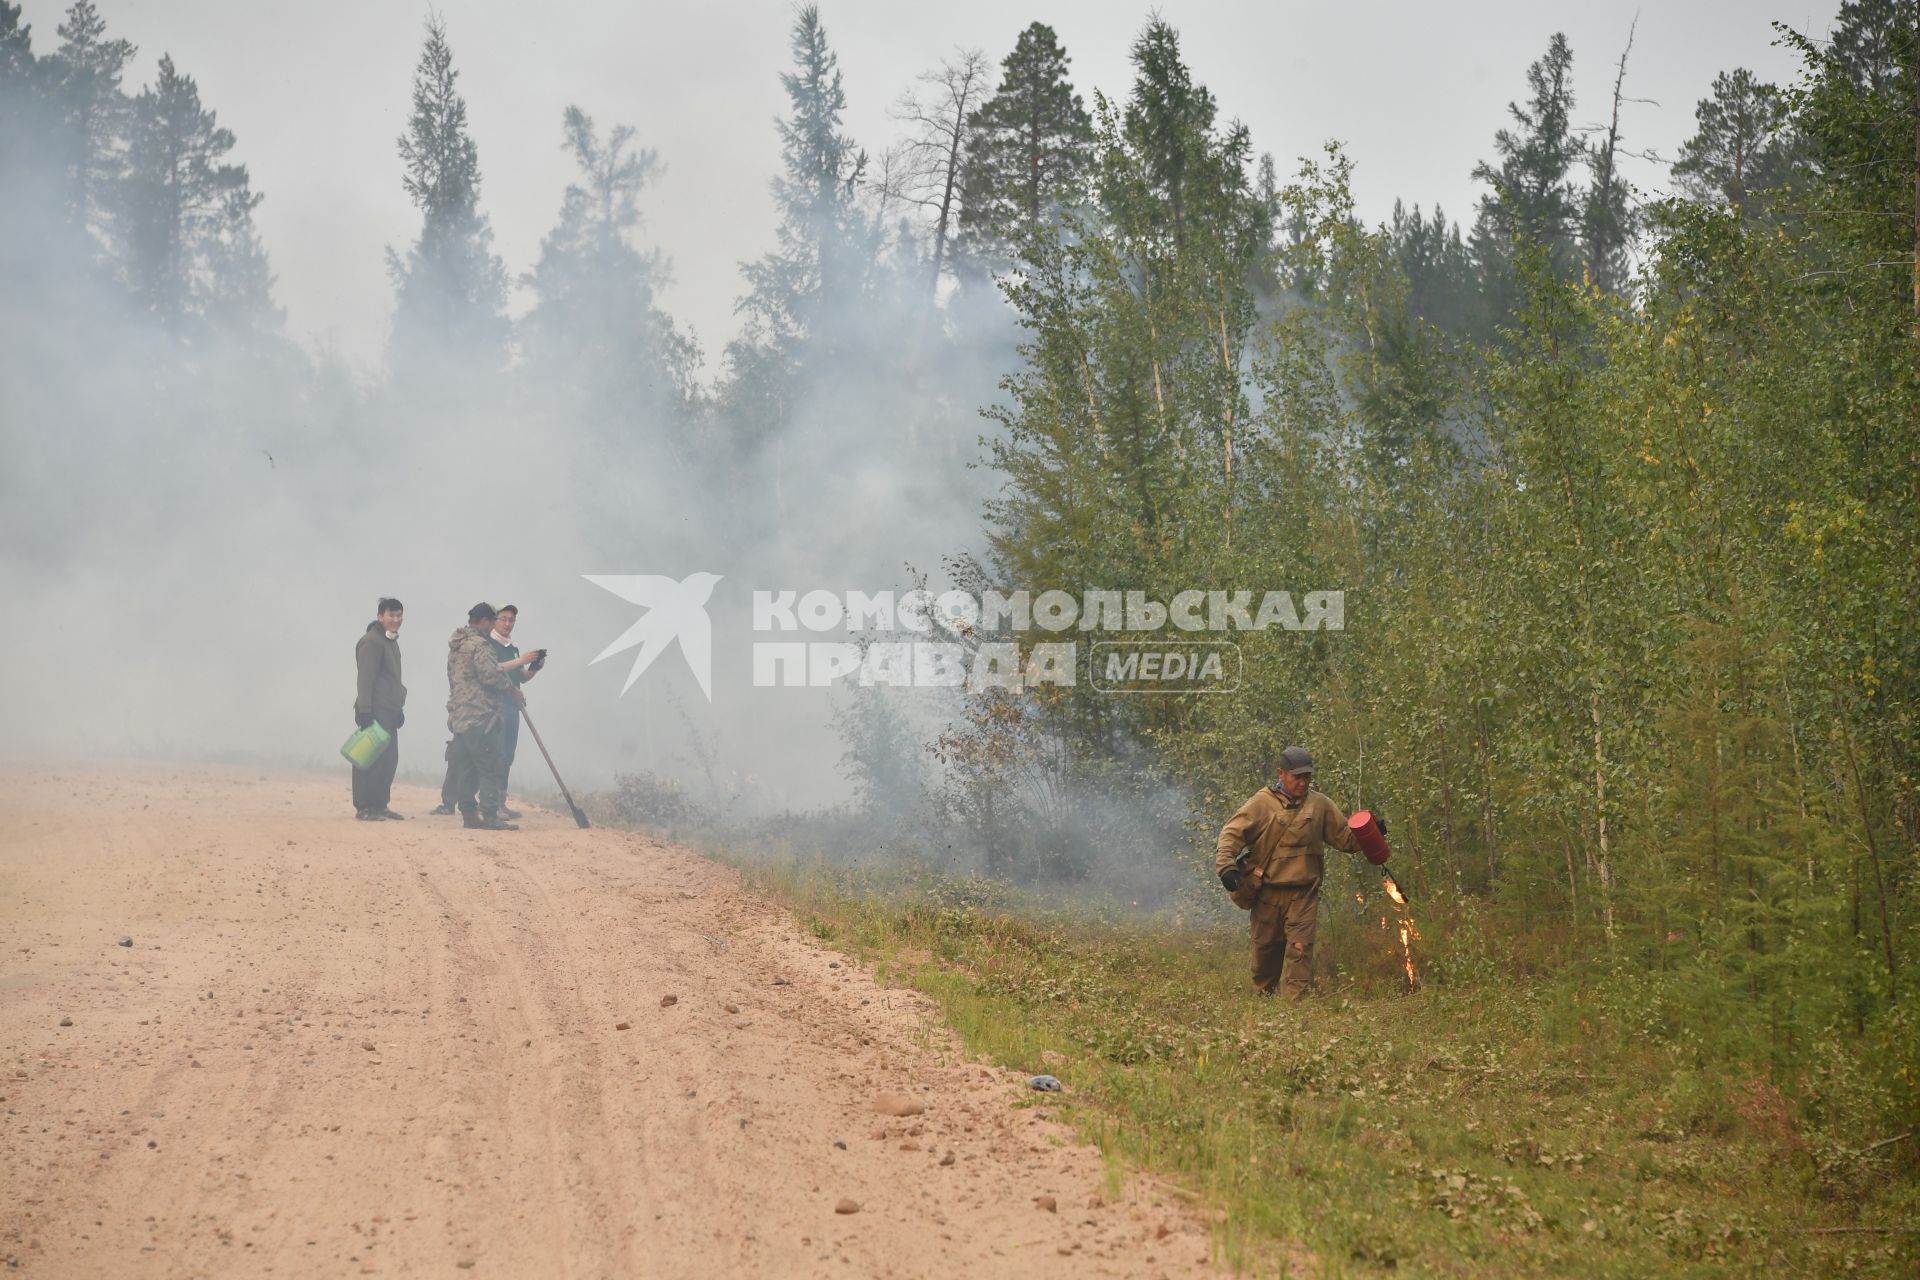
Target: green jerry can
365	746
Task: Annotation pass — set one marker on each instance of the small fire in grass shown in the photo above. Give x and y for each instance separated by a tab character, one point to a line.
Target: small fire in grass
1408	933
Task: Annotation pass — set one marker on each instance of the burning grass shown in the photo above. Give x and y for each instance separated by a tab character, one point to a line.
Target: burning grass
1475	1125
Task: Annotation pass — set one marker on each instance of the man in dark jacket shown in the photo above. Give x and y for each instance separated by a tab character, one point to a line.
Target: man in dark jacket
379	696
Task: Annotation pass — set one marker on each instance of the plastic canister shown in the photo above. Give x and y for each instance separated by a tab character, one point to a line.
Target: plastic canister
366	745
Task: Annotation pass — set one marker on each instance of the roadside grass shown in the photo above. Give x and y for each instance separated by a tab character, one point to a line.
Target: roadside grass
1485	1127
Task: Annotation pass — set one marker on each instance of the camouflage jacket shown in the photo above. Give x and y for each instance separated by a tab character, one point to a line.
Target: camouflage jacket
478	684
1288	837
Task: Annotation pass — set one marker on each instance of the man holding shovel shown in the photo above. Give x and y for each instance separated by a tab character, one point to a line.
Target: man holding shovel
1271	859
478	685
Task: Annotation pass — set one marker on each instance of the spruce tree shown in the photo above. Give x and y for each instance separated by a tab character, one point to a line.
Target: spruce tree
1534	200
451	286
825	245
1431	254
1167	116
1029	151
596	331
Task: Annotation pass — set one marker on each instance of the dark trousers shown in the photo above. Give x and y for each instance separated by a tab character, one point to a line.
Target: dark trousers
474	759
373	785
509	742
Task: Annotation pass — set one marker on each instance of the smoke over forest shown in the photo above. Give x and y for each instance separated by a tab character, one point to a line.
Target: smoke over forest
1050	335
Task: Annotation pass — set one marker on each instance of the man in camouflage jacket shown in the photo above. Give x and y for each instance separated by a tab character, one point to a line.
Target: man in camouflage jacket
479	683
1283	829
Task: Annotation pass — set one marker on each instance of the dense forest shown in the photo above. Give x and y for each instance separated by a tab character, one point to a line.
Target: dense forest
1624	492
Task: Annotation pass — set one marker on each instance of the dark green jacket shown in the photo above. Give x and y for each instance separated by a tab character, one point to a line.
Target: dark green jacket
379	692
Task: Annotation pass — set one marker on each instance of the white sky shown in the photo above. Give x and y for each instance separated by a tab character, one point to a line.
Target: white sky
317	94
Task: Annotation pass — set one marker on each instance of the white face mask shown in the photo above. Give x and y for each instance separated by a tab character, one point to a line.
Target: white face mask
393	635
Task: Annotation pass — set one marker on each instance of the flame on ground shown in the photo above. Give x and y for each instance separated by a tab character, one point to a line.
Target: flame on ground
1408	933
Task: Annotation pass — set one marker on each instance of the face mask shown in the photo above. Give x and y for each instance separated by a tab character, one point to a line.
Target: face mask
393	635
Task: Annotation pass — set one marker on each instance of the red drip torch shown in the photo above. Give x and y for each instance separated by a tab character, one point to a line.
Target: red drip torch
1374	844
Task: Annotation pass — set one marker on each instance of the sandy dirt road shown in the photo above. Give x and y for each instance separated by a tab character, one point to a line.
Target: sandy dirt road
342	1048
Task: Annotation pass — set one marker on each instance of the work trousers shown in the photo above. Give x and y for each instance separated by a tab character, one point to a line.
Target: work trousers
474	770
509	741
1283	924
373	785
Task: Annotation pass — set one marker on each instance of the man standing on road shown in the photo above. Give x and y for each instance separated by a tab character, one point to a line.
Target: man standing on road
506	651
379	696
478	684
1284	829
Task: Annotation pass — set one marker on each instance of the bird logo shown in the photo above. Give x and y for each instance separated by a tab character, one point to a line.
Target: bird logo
674	611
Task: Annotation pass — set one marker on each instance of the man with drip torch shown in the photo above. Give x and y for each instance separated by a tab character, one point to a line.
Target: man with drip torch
1271	860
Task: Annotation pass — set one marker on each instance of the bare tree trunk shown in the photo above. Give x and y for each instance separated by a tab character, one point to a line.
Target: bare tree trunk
1226	429
1599	244
1601	868
934	155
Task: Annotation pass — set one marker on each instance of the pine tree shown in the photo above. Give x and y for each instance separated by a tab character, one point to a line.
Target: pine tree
1029	149
180	199
451	286
86	71
1741	145
1868	40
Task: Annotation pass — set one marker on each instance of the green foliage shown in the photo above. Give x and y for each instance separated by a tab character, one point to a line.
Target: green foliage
1629	654
1595	1123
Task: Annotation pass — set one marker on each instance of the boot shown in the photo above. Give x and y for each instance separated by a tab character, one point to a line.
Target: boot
443	810
389	815
509	813
367	815
490	821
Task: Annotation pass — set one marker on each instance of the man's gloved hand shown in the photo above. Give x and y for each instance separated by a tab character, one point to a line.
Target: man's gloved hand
1383	823
400	718
363	718
1230	879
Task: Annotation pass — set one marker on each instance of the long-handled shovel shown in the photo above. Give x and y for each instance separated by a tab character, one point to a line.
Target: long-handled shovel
579	818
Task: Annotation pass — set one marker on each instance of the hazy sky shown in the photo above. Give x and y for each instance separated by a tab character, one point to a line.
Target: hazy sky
317	95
